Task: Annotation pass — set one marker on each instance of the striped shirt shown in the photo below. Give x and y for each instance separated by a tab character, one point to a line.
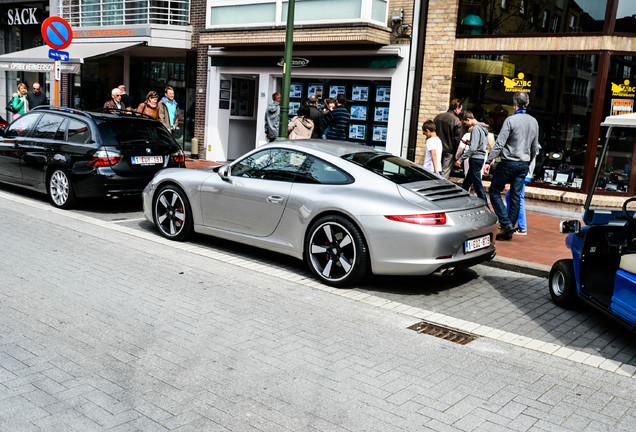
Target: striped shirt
338	123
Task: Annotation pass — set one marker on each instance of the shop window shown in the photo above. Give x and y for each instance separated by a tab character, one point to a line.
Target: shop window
560	89
617	164
528	17
243	95
626	17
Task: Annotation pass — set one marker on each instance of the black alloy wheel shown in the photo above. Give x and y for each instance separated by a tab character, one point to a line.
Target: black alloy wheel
562	284
60	189
336	251
172	213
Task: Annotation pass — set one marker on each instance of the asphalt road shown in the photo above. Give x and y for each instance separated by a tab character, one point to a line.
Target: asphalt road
104	325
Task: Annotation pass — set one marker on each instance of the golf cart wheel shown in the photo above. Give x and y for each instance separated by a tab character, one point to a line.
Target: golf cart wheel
562	284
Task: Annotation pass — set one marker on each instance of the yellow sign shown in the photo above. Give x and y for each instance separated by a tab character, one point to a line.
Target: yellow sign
518	84
623	90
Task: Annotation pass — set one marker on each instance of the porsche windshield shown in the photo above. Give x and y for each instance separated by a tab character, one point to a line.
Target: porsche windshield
396	169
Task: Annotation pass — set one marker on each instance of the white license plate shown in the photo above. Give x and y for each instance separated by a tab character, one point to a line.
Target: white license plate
476	244
147	160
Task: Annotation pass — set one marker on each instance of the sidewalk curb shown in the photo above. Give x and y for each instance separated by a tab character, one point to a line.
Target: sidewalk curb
518	266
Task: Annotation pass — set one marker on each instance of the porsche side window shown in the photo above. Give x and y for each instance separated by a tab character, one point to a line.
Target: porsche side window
22	126
270	164
396	169
318	171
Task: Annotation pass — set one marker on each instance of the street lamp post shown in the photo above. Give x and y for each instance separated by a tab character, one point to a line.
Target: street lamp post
287	62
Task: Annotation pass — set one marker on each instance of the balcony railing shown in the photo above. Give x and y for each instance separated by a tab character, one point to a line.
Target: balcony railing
94	13
254	13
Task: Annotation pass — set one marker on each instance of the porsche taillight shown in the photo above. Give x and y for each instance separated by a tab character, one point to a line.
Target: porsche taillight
421	219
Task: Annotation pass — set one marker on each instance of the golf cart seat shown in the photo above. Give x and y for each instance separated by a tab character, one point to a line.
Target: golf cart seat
628	263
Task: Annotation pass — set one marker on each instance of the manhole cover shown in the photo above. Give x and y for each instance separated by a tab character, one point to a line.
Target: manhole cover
443	332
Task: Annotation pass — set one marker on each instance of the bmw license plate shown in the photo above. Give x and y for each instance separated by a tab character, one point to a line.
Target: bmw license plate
476	244
147	160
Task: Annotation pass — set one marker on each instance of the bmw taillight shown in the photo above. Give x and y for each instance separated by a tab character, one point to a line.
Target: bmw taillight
103	158
178	157
421	219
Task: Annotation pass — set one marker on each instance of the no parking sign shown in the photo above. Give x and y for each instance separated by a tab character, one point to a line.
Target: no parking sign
57	32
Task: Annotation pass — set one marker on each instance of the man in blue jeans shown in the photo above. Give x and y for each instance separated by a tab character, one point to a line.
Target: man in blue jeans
517	144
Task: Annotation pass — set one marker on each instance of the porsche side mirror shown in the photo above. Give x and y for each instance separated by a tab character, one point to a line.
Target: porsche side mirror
225	172
570	226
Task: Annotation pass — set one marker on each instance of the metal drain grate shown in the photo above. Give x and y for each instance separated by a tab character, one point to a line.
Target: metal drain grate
443	332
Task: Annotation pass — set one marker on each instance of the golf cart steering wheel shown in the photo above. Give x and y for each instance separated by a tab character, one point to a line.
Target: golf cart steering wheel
631	220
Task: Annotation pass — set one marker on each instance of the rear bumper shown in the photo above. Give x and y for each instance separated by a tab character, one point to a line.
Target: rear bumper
104	182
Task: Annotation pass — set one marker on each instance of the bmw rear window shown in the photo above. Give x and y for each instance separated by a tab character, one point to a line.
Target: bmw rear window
133	132
396	169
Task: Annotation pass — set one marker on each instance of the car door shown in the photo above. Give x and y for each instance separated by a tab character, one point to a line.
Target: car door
44	142
254	197
16	134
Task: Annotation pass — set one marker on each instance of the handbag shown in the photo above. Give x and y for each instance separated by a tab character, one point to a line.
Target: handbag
9	107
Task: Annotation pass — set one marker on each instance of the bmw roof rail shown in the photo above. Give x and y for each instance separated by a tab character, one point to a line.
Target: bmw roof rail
61	108
106	110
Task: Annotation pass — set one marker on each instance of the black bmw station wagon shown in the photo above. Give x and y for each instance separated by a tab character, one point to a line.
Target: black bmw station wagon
72	154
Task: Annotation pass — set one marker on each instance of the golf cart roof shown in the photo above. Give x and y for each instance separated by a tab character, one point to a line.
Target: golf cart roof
624	120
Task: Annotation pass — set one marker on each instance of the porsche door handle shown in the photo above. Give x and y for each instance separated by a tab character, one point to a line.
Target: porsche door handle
275	199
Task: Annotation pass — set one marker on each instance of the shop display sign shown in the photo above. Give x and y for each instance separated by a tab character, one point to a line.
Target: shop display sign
293	108
383	94
381	114
622	106
357	132
334	91
358	112
379	133
518	84
360	93
623	90
296	90
315	90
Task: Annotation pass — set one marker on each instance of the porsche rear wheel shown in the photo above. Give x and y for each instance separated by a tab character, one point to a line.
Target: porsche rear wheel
172	213
336	251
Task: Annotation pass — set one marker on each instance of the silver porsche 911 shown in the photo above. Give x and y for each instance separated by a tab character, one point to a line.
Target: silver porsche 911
346	209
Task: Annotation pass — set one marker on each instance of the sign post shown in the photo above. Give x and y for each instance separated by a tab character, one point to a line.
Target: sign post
57	34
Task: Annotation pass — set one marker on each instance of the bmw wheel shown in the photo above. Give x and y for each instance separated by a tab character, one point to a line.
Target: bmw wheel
60	189
336	251
172	213
562	284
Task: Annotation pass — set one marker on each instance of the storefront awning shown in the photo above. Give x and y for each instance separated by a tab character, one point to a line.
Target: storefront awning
37	59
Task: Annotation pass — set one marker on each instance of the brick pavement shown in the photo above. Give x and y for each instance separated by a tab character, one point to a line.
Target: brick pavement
102	330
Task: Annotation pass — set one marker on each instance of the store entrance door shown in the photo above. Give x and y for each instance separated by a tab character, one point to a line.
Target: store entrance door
242	130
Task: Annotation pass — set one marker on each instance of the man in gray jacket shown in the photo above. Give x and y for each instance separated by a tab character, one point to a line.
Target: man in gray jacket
272	118
518	145
476	154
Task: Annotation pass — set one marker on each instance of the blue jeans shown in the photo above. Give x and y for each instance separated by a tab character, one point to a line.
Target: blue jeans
473	178
513	173
522	221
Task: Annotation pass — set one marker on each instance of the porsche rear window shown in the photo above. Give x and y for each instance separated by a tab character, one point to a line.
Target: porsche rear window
396	169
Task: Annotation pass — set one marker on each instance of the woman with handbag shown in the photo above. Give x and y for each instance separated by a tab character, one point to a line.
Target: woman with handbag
20	104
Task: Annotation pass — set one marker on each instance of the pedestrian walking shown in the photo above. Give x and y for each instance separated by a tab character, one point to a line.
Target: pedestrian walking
115	102
476	154
150	105
168	110
20	104
337	120
301	126
522	221
36	97
518	145
449	131
315	114
433	157
272	118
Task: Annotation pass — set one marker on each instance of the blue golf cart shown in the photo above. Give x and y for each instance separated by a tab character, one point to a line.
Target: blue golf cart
602	271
